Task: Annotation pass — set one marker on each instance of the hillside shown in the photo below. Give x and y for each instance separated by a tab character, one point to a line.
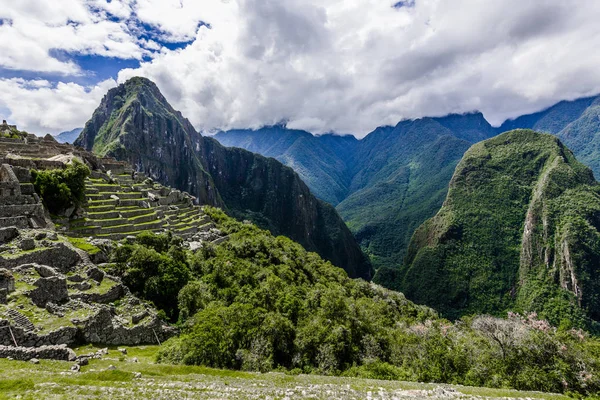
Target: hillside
135	123
321	161
385	185
518	230
122	255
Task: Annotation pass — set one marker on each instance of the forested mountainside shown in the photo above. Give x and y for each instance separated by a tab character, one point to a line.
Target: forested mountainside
385	185
321	161
519	230
135	123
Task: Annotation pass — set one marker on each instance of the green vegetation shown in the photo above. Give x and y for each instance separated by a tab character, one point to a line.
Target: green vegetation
247	185
518	230
61	188
53	380
84	245
262	303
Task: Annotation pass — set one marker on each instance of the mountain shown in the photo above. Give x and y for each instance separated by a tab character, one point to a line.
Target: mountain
519	229
321	161
69	136
135	123
576	123
385	185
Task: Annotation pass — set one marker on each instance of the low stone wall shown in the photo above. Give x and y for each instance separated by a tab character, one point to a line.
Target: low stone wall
61	352
100	329
62	336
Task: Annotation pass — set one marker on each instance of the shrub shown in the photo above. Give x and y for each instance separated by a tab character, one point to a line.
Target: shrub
61	188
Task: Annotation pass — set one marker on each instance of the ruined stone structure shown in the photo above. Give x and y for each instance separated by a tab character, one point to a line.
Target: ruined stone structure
52	293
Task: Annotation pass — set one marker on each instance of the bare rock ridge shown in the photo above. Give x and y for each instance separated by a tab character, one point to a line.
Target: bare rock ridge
135	123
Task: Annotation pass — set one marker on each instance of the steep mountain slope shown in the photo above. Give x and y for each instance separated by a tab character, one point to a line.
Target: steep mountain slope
402	182
576	123
69	136
321	161
384	185
135	123
518	229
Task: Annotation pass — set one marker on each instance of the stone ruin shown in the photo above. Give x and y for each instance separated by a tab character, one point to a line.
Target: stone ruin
53	294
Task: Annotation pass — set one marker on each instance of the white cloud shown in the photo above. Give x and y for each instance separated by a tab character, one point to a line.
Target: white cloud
40	107
341	65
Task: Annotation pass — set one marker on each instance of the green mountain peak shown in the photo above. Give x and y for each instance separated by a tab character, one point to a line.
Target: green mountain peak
519	229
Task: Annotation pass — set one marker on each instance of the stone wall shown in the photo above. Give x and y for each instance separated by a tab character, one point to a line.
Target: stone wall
44	352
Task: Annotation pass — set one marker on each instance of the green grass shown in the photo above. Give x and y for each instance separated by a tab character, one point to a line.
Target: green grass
53	379
84	245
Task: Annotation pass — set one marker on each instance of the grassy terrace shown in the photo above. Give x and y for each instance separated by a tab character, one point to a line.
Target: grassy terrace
54	380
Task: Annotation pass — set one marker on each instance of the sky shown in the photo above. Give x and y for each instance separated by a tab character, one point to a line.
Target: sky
344	66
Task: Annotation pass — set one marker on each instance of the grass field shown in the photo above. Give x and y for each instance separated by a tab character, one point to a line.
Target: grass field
54	380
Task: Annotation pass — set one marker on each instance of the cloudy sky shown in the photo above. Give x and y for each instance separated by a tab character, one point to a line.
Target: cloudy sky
345	66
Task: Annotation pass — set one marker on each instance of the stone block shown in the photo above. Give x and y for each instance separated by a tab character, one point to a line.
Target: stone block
95	273
45	271
7	280
52	289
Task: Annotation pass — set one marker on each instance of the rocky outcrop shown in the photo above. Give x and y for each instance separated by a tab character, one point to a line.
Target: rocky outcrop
135	123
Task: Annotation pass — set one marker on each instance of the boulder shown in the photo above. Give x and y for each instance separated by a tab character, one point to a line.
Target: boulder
8	234
27	244
95	273
45	271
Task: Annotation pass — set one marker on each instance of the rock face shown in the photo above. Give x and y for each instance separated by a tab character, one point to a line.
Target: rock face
520	227
135	123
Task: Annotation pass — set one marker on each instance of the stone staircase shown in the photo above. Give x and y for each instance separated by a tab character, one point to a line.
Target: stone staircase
124	206
20	320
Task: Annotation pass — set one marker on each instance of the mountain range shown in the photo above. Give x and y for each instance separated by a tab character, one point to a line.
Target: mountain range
135	123
385	185
388	183
68	136
454	214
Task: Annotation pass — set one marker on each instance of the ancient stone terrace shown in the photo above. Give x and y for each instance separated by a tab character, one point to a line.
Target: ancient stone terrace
121	205
32	152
